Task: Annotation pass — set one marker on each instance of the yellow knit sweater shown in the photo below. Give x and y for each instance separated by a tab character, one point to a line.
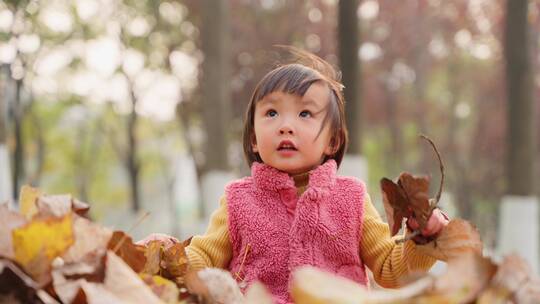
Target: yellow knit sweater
387	260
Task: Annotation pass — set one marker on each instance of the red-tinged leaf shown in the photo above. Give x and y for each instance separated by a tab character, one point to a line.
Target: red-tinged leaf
133	254
174	262
153	253
458	238
9	220
395	205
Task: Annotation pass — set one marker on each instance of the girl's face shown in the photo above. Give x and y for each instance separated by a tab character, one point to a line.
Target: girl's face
286	129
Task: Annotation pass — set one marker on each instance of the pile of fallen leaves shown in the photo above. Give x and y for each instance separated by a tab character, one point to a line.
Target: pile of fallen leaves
51	253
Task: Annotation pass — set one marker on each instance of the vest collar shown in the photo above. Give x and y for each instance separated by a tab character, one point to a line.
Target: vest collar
269	178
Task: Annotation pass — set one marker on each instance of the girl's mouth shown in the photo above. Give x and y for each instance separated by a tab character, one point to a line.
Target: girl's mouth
286	145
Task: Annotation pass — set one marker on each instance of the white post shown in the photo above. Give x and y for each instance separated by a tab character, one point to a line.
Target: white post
5	176
354	165
518	228
213	188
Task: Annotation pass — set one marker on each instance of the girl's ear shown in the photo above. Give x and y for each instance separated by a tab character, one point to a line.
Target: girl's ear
254	144
333	147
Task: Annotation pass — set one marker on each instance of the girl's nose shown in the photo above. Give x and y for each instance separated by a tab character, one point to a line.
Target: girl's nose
285	129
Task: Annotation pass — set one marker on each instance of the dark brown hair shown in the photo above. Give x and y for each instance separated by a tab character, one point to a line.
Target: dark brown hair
296	78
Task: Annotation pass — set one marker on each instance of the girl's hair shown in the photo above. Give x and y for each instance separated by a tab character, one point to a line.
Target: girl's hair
296	78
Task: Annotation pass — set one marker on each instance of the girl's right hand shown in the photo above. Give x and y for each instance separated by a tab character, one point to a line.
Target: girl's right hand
165	239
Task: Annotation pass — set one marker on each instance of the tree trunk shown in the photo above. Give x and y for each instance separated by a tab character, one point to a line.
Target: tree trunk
18	156
348	44
5	168
132	162
520	139
215	82
215	101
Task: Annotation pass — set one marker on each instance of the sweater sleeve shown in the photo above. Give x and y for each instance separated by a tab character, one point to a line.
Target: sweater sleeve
387	260
213	249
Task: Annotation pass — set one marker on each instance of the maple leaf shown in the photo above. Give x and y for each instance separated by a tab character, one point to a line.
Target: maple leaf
9	220
133	254
395	204
174	262
40	241
153	253
416	189
456	239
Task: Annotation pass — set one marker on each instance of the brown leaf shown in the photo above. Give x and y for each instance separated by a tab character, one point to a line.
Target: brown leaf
174	262
9	220
511	276
133	254
59	205
465	278
395	205
15	285
416	189
456	239
153	255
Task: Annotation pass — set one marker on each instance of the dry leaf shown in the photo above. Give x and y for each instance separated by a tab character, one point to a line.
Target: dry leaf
221	286
90	238
37	243
465	278
54	205
454	240
313	286
166	290
125	284
15	285
512	275
131	253
416	190
395	204
153	255
27	202
257	293
9	220
174	261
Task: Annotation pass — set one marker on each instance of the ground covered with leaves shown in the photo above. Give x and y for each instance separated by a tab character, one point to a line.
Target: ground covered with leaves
51	253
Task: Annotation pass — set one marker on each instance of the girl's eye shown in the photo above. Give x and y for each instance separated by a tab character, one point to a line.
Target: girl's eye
305	114
271	113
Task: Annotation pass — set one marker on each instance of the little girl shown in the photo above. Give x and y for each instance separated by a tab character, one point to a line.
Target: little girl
294	209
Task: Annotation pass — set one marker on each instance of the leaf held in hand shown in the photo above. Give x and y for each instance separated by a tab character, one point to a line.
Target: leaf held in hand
395	204
456	239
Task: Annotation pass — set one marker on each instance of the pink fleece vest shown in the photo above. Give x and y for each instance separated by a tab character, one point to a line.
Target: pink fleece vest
273	231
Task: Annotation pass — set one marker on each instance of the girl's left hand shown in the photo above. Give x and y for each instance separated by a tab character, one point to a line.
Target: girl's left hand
435	224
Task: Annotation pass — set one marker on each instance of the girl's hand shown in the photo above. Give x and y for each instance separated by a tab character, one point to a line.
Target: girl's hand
165	239
435	224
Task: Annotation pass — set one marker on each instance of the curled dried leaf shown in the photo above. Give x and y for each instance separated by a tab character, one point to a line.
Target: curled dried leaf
456	239
395	205
133	254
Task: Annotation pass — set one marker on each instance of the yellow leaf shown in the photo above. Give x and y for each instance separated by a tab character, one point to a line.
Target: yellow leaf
28	198
36	244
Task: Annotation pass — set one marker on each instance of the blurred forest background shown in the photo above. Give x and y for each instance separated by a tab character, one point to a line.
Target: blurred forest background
127	104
